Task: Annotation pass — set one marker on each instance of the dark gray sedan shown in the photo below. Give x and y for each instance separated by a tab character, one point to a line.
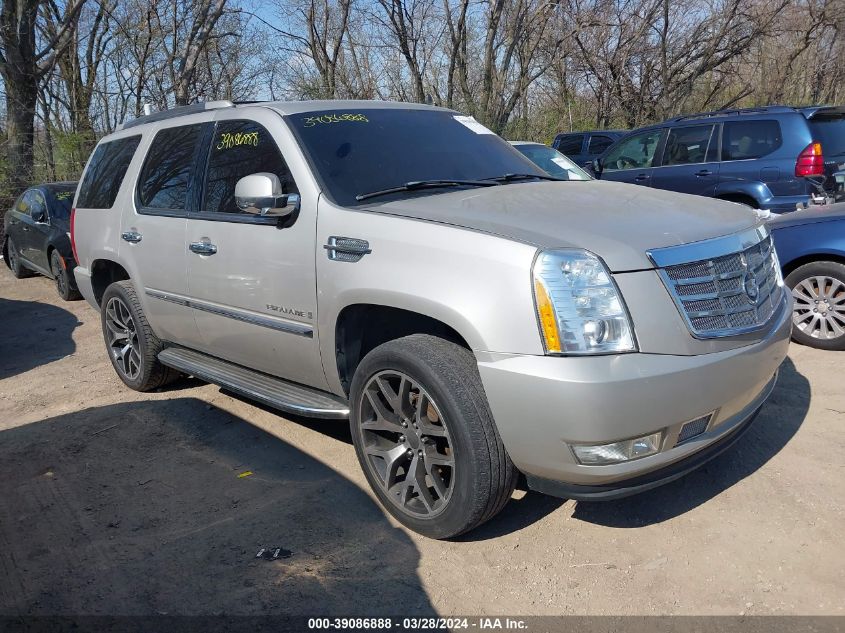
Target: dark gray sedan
38	236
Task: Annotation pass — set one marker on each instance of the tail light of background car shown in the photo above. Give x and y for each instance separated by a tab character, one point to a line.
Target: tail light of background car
72	236
810	161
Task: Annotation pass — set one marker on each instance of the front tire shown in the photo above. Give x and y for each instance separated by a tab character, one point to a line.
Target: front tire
65	283
425	437
818	314
132	345
15	264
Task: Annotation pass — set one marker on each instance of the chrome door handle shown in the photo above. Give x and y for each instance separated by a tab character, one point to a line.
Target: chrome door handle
704	172
133	237
642	177
203	248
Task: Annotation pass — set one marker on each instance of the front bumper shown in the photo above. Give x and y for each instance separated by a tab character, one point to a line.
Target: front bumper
543	404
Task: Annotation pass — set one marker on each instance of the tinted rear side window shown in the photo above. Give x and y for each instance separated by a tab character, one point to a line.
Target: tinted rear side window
742	140
105	173
166	175
598	144
570	144
830	132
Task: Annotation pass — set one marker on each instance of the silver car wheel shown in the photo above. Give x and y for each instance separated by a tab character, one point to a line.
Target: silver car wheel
406	444
819	309
123	338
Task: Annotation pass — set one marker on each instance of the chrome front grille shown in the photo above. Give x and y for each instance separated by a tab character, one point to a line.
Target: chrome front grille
733	285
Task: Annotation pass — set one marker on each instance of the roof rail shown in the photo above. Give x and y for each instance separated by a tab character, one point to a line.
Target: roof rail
733	112
162	115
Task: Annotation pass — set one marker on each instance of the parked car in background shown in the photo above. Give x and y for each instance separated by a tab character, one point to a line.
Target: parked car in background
37	230
766	158
583	147
472	316
811	248
551	161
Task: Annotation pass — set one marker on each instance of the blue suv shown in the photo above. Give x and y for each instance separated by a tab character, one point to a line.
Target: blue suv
767	158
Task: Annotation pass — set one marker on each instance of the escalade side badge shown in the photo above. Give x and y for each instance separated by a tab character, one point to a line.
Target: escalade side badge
347	249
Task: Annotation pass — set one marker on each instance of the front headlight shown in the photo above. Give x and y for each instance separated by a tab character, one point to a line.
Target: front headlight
579	307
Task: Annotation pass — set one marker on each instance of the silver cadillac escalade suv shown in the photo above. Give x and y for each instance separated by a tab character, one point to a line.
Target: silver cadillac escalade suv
401	266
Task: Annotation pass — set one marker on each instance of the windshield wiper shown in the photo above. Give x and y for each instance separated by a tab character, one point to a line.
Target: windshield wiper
513	177
426	184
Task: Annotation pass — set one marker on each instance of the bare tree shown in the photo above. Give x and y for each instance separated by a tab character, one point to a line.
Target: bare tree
23	62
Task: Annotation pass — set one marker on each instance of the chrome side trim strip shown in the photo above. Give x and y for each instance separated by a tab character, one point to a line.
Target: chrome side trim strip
253	319
708	249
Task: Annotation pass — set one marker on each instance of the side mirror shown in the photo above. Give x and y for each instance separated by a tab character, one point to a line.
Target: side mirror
596	166
39	216
261	194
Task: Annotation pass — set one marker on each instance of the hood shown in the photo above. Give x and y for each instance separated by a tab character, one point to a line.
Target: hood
826	213
617	222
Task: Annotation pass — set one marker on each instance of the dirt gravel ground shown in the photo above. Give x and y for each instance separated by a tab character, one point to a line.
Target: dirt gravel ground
115	502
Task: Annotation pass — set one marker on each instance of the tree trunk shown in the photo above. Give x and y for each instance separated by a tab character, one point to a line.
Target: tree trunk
21	97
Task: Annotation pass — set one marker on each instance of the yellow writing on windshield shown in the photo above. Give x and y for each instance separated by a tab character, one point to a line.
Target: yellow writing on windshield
311	121
229	140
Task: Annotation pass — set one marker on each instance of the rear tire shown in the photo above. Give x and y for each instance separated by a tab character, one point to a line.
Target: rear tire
65	283
425	437
19	270
131	343
818	314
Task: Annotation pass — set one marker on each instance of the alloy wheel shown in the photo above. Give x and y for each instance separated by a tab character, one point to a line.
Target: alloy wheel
819	309
123	338
406	444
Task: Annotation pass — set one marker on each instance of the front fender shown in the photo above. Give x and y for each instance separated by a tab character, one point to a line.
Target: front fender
477	284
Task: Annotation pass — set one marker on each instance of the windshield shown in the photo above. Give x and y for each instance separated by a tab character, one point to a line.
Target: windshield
553	162
355	152
830	132
60	203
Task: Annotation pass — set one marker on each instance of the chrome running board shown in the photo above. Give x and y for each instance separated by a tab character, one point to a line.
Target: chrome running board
274	392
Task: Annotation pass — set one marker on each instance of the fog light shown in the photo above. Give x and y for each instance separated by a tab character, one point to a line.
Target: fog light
624	451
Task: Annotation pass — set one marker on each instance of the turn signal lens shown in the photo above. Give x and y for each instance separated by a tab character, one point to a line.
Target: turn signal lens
546	314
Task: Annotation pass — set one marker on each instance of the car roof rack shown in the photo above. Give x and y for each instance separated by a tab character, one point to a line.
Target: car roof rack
171	113
733	112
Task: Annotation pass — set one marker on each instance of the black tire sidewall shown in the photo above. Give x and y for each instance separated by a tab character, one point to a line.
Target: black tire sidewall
816	269
15	265
60	271
459	409
117	290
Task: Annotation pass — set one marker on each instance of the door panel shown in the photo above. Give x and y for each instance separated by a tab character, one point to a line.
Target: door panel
689	163
632	159
21	231
153	242
255	296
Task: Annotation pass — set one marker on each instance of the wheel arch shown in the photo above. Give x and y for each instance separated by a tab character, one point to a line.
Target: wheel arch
809	258
105	272
361	327
740	198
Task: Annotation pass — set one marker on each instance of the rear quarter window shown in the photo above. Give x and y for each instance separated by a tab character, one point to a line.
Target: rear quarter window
743	140
570	144
830	132
105	173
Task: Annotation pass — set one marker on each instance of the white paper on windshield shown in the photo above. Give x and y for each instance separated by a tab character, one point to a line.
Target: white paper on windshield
472	124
